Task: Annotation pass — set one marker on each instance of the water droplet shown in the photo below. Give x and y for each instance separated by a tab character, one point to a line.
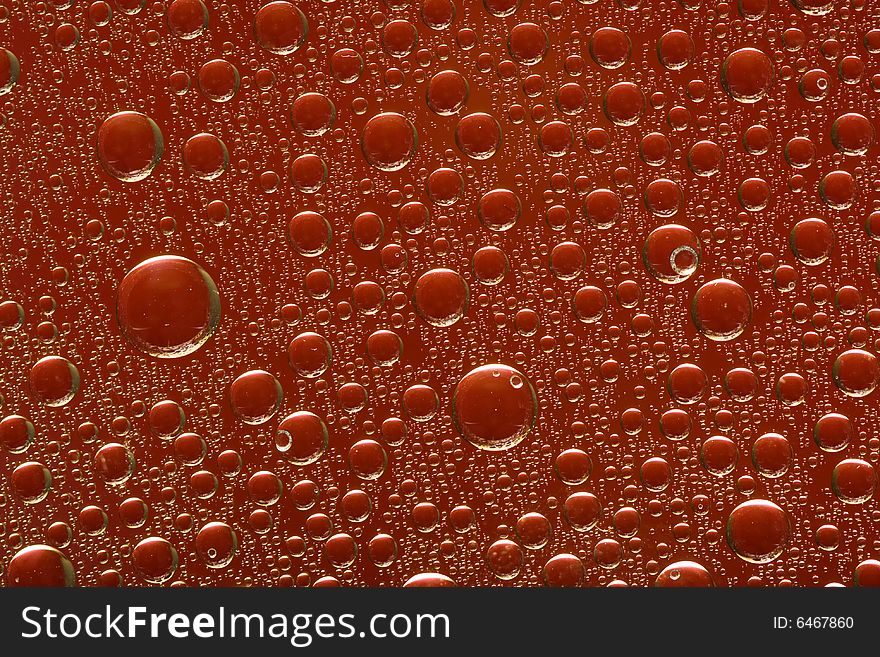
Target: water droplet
167	306
130	146
489	412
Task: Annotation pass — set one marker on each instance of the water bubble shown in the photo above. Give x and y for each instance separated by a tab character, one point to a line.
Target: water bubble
413	217
852	134
555	138
533	530
663	197
302	438
167	306
854	481
280	27
11	315
582	511
264	488
478	135
675	424
499	209
356	505
573	467
421	402
308	173
828	537
656	474
368	297
445	186
114	463
684	573
216	544
312	114
382	551
721	309
800	152
190	448
567	261
54	381
10	70
93	520
367	459
447	92
747	75
671	253
490	265
856	372
675	49
347	65
624	103
129	146
219	80
40	566
655	149
187	19
527	43
791	389
837	189
758	531
705	158
441	297
772	455
133	512
429	579
757	139
833	432
31	482
340	550
255	396
754	194
155	560
399	38
811	241
505	559
609	47
310	234
384	347
814	7
814	85
563	570
205	156
687	383
130	7
437	14
489	412
589	304
571	98
603	208
719	455
309	354
867	573
166	418
389	141
16	433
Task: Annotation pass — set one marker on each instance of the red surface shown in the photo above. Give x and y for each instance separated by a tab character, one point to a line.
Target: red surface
477	293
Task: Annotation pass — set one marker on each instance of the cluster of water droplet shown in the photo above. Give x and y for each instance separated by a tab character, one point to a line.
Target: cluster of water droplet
439	292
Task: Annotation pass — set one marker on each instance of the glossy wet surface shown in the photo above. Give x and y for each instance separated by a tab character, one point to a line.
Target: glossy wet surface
439	293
